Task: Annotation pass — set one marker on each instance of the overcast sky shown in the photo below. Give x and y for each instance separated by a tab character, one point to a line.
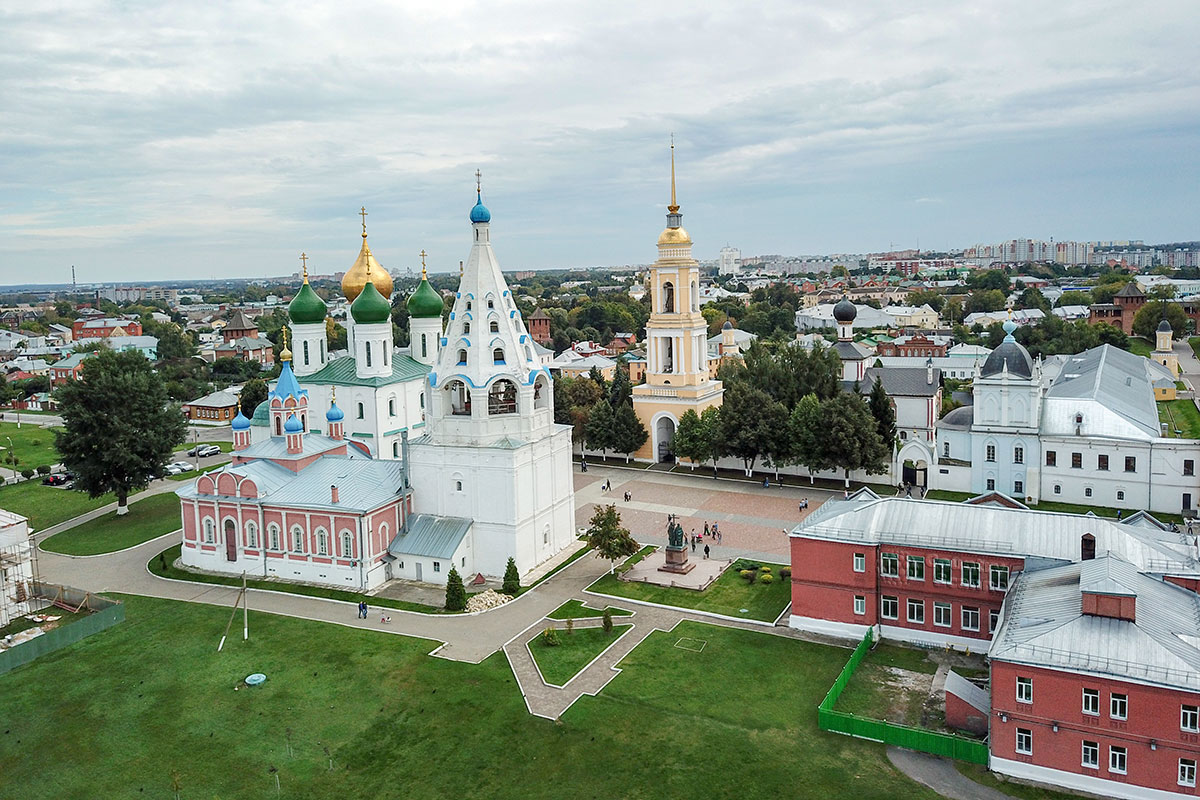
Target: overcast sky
143	140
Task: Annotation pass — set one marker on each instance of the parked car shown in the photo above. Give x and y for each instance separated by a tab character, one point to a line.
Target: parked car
204	450
177	468
55	480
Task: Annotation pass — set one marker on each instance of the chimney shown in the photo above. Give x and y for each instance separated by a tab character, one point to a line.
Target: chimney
333	494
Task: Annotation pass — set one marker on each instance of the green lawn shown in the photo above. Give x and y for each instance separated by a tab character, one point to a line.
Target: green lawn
1140	347
728	595
351	713
147	519
1194	341
1181	414
574	609
34	445
47	505
575	651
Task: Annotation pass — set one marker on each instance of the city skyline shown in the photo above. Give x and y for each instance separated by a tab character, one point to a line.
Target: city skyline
221	141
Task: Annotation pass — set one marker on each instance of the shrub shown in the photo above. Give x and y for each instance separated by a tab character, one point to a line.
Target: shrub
607	621
34	442
764	569
550	637
746	565
512	578
44	469
570	626
27	473
768	578
456	594
749	575
786	572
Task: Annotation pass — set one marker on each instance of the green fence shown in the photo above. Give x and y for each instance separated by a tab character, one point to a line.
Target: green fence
939	744
106	613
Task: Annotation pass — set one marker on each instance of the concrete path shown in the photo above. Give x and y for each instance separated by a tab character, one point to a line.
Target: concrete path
940	775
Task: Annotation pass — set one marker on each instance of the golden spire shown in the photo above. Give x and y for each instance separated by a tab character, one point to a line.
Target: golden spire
362	212
674	207
333	395
285	354
424	276
478	182
460	270
304	268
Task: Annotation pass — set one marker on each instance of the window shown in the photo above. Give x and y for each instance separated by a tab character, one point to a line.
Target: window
360	411
1117	759
209	531
970	573
945	449
466	328
860	604
391	406
468	305
368	346
916	568
1051	458
860	562
1024	690
1102	462
1187	772
1018	455
941	571
347	545
297	539
1076	460
491	304
306	354
1189	467
494	327
1091	755
1091	702
251	535
1189	719
322	543
889	607
424	347
498	355
458	486
437	565
998	578
1118	706
1018	488
1087	492
1130	464
991	453
1057	489
993	620
395	449
991	484
1120	494
889	565
1024	741
941	615
916	611
462	356
273	531
970	619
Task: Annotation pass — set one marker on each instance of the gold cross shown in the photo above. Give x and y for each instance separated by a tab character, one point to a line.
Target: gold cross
304	261
423	254
362	212
478	177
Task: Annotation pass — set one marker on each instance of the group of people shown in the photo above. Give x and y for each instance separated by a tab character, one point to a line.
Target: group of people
363	611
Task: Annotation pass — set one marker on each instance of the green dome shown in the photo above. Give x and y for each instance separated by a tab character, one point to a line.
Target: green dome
425	302
370	306
306	307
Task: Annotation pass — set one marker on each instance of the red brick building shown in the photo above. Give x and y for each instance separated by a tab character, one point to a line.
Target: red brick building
1121	311
917	345
539	326
239	327
104	327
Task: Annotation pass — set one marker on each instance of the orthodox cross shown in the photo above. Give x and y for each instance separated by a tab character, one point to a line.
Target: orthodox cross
362	212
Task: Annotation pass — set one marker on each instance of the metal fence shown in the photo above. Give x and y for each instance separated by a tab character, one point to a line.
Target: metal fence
939	744
105	614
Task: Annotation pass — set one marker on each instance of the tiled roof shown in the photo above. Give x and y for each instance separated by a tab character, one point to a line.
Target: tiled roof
343	372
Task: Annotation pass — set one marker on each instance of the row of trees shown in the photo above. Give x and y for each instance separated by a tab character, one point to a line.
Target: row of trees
601	412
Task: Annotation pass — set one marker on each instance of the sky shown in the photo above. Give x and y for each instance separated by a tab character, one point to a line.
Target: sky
150	140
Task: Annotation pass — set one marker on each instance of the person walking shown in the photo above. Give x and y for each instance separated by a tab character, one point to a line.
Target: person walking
706	527
706	551
718	537
693	543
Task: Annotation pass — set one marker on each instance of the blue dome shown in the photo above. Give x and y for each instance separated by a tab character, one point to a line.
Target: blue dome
292	425
240	422
480	213
334	414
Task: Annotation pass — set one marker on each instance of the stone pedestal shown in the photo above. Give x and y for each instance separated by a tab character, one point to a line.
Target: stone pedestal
677	561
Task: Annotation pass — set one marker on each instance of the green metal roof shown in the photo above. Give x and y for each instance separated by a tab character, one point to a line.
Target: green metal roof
370	306
342	372
425	302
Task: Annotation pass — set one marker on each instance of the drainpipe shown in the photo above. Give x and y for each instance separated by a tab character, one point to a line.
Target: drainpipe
404	456
362	580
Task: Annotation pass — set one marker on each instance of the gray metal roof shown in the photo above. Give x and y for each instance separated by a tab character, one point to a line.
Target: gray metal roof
214	400
1044	625
1111	388
430	536
851	351
1011	355
904	381
960	419
963	689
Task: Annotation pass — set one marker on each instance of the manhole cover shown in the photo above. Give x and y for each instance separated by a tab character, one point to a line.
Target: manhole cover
255	679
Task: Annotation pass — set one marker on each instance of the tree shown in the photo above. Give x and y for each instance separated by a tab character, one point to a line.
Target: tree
629	434
883	412
620	391
988	279
173	342
512	578
804	430
606	621
1033	298
850	436
606	536
336	335
984	300
7	392
926	297
253	392
688	441
598	431
1148	317
119	428
456	594
747	419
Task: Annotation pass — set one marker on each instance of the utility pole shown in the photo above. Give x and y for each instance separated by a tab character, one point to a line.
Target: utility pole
73	287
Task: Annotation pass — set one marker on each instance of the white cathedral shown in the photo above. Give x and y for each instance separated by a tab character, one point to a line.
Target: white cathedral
445	456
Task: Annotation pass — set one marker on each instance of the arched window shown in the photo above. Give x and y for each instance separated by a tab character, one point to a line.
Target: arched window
502	398
458	486
210	531
695	297
460	398
273	533
368	345
391	406
668	306
528	353
466	328
541	392
251	535
322	351
468	305
297	539
395	449
347	545
360	410
498	355
322	542
278	425
462	356
424	347
306	354
491	303
422	401
304	422
494	326
1087	547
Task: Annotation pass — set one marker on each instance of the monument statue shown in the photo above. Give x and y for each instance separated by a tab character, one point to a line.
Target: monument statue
675	536
677	551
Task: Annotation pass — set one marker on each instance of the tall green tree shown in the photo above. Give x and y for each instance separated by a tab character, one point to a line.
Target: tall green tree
620	390
1148	317
456	593
599	428
119	428
850	437
512	578
804	431
606	536
629	434
689	438
254	391
747	419
884	414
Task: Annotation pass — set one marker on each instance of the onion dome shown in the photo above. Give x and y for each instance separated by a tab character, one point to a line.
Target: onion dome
1009	356
728	326
425	302
307	307
357	276
292	424
677	235
479	212
1164	326
241	422
334	414
370	306
845	311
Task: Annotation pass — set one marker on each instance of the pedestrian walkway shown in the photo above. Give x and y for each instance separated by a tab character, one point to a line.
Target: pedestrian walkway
940	775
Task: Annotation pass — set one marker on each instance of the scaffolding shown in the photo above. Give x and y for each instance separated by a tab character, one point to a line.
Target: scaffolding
19	578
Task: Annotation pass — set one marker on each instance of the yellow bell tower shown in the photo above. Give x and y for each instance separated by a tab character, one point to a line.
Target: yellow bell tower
677	376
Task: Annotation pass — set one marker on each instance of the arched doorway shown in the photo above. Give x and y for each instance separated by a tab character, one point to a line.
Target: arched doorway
230	540
664	437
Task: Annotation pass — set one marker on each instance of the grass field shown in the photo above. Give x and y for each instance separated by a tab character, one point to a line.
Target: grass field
47	505
574	609
34	445
1182	415
350	713
1140	347
147	519
728	595
1194	341
574	652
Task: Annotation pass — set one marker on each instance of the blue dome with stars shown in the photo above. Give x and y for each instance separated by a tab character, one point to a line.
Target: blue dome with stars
292	425
480	213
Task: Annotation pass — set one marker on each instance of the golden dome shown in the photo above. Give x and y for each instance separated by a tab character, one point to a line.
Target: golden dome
356	277
674	236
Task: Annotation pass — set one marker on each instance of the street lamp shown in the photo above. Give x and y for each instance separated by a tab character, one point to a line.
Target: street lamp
12	452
